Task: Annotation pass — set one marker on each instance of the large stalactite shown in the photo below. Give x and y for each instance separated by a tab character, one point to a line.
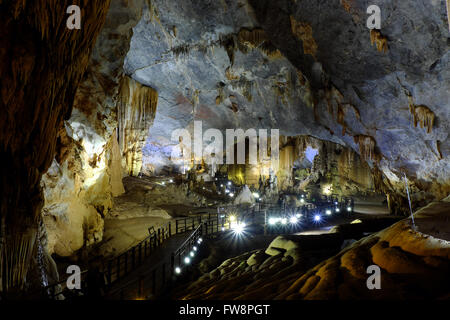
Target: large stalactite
136	112
42	63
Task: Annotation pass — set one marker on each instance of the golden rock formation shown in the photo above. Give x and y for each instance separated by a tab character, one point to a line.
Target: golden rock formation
303	31
136	112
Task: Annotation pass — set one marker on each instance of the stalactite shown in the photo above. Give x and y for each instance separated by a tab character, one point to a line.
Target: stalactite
136	111
367	147
424	116
379	40
448	14
252	38
340	119
303	31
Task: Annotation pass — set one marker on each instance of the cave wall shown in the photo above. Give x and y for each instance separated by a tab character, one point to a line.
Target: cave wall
87	170
42	63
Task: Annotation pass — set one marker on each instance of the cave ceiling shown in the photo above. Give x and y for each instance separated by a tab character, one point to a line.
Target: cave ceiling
325	63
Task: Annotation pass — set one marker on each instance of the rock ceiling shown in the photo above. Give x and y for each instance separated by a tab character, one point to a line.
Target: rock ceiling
307	68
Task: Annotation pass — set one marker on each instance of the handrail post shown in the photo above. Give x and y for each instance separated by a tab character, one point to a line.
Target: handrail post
109	272
176	226
118	268
170	230
140	252
141	286
154	281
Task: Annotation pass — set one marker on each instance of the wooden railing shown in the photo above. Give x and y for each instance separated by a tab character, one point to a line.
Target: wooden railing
119	267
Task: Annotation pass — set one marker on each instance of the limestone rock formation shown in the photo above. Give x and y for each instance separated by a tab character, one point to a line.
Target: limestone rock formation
87	170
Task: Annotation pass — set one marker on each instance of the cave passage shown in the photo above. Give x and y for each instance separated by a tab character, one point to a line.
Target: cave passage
224	150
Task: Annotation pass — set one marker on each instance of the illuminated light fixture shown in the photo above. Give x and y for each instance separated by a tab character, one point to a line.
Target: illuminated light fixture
177	270
338	210
187	260
203	188
349	208
303	195
238	228
256	195
317	217
229	183
293	220
222	216
335	202
171	180
223	228
283	221
231	195
328	212
194	248
221	185
327	189
227	191
191	253
272	221
163	183
200	239
302	200
232	218
298	215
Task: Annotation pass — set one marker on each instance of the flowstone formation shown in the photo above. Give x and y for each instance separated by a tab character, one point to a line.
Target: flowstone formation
87	170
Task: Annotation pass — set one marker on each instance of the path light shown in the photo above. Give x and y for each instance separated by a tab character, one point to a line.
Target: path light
238	228
272	221
293	220
349	209
338	210
177	270
298	215
223	228
335	202
256	195
227	191
317	217
187	260
163	183
221	185
231	195
195	248
229	183
191	253
328	212
283	221
171	180
232	218
302	200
